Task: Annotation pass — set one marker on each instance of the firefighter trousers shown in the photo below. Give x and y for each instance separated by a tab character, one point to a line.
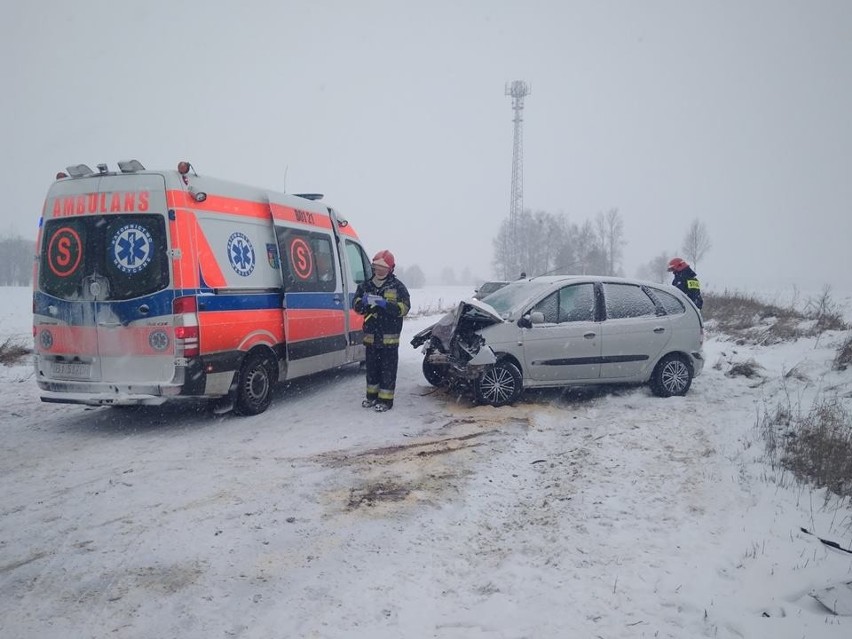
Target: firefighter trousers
382	363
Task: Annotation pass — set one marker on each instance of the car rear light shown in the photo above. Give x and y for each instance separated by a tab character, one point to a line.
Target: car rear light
186	326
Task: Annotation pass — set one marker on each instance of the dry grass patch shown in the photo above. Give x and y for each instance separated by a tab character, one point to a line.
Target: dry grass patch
844	355
12	352
750	320
815	446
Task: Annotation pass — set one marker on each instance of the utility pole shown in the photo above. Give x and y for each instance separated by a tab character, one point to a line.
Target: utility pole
517	90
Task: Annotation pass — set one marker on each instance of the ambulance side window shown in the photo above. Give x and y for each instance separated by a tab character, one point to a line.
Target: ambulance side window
307	261
359	263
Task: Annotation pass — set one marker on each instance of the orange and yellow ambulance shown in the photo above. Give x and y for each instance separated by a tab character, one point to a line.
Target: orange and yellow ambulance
158	285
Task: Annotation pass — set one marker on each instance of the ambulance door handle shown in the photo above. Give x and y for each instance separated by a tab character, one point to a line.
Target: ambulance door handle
144	309
336	299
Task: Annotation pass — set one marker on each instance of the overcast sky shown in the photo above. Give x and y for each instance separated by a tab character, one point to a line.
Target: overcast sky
738	113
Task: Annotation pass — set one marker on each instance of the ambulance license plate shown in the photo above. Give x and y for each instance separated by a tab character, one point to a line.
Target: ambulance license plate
77	370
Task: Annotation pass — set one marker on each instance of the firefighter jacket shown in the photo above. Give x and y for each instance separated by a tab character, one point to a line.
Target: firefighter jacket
687	281
382	325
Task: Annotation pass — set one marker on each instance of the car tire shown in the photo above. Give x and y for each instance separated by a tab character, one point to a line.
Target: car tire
254	386
499	385
435	374
672	376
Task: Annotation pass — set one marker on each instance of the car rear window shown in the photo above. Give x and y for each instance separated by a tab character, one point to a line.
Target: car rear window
672	304
627	300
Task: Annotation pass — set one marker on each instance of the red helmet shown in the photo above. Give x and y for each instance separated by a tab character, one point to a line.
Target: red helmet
677	264
385	258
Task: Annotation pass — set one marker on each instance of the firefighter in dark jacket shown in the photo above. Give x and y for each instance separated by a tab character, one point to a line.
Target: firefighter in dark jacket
383	301
686	280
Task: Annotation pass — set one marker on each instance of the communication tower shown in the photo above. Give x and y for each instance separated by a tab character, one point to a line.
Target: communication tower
518	90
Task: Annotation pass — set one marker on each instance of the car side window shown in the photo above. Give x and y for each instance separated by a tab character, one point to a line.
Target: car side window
669	302
549	307
627	300
359	263
577	303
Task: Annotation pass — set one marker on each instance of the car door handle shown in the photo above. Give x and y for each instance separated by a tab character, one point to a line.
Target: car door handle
589	335
659	329
336	299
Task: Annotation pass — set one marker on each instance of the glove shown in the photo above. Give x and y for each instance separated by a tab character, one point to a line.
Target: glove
376	300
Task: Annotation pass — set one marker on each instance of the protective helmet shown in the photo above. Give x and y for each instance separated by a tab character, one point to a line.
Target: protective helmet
384	258
677	264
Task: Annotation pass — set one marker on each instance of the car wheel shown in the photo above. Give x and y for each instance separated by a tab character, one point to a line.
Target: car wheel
435	374
672	376
499	385
254	387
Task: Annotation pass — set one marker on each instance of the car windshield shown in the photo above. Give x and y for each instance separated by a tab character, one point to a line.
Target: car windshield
513	296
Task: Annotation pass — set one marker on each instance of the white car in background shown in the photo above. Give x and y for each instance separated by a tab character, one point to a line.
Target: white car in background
564	330
486	288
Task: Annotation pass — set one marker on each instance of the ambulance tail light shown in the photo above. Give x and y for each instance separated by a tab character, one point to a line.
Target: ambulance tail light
186	326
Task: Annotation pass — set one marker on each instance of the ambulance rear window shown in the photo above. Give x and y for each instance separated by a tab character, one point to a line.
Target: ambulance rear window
125	255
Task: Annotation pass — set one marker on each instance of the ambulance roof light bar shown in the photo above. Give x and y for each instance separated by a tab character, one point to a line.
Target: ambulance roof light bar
130	166
79	170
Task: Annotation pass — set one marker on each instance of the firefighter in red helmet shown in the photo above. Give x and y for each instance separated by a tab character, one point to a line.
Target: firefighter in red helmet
383	300
686	280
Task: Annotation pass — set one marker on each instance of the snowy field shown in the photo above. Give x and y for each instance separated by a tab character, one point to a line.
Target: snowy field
596	514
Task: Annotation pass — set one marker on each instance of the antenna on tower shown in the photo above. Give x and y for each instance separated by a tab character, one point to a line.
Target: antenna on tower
517	90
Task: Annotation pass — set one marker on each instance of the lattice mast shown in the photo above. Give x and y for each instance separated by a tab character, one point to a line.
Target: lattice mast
517	90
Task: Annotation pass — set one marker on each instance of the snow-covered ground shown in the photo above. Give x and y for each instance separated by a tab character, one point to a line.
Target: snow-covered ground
594	514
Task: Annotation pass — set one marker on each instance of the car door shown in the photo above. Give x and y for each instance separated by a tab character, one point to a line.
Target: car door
566	345
634	332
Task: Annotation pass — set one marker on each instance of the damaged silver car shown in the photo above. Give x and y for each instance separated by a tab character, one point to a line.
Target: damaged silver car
566	331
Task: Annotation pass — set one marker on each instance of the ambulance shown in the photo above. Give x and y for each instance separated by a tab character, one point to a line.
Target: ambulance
152	286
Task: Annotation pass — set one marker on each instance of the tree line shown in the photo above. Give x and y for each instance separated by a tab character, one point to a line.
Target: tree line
540	243
16	261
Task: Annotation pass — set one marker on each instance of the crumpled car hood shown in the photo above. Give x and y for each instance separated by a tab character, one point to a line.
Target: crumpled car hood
470	315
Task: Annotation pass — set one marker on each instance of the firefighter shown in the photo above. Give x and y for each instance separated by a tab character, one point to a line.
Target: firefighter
383	300
686	280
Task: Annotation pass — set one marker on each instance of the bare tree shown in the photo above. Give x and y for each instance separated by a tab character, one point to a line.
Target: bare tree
16	261
655	270
610	230
591	255
696	243
541	244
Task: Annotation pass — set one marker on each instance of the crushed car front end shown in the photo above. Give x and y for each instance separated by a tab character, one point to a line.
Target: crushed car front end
453	347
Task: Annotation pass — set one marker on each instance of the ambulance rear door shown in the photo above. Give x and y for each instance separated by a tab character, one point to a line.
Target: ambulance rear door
103	301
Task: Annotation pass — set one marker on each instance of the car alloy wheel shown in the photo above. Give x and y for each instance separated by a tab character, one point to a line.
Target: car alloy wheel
499	385
671	377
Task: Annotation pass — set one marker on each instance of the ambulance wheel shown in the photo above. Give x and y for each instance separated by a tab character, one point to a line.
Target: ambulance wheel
435	374
499	385
254	387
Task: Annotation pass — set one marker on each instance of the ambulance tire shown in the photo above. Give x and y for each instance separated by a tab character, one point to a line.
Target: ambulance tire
254	387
